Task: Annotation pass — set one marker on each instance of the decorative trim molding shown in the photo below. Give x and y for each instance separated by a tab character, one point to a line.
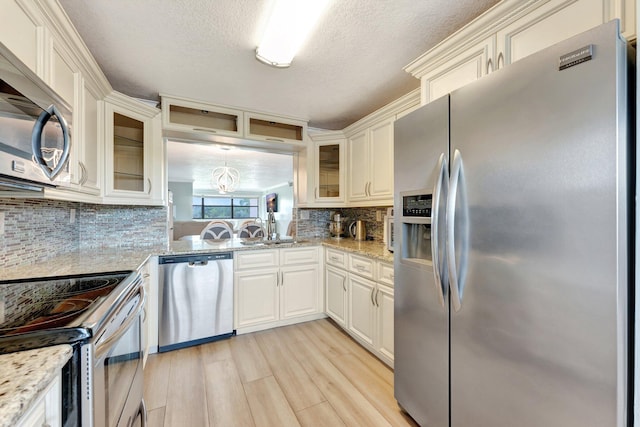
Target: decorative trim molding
481	28
56	19
132	104
389	111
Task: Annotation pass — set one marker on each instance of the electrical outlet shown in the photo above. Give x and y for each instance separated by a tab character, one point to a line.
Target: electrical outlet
1	223
72	216
378	216
304	214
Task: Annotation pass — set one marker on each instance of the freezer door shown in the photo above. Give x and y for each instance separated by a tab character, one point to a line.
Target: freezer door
540	170
421	309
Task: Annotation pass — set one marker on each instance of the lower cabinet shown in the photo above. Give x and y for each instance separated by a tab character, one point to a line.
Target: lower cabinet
45	411
275	287
359	298
336	294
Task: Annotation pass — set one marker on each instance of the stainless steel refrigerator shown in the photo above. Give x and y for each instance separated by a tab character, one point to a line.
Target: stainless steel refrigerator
513	204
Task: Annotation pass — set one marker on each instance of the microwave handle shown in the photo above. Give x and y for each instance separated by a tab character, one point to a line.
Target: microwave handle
36	142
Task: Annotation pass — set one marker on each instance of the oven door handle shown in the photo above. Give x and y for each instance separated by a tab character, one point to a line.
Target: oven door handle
102	347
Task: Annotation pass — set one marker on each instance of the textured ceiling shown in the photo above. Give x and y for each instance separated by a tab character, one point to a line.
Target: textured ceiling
350	65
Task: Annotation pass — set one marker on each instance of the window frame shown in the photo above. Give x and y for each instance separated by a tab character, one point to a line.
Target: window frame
231	205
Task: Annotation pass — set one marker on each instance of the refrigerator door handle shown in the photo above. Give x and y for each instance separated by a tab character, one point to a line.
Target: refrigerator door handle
439	192
457	267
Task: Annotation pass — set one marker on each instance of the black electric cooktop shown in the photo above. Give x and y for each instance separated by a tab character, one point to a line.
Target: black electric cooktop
49	311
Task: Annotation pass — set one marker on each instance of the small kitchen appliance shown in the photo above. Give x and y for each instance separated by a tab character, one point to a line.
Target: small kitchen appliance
358	230
337	227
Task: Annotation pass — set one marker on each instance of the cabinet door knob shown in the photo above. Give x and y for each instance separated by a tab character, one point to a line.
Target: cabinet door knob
150	185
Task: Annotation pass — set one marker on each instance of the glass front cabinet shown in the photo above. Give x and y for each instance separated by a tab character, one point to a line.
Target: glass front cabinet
134	154
329	170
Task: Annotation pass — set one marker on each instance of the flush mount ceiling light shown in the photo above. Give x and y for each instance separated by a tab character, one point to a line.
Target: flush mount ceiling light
290	23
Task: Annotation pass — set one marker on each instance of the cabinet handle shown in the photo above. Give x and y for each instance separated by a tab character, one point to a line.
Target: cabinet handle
204	130
274	139
359	267
377	293
144	314
145	275
150	186
282	278
344	279
372	302
489	66
335	258
500	56
83	174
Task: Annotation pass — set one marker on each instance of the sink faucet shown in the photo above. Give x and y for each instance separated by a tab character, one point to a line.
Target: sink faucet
271	225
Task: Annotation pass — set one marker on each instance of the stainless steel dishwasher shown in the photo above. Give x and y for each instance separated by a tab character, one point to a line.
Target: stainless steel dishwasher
195	299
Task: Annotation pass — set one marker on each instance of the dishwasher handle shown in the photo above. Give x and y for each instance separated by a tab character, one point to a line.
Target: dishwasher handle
195	259
198	263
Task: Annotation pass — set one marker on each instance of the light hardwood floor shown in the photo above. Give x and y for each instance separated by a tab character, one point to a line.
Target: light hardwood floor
310	374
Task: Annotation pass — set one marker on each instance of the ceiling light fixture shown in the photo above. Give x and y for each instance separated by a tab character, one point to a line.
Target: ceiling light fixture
226	179
290	23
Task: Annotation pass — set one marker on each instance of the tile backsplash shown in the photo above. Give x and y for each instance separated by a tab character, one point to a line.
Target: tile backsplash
317	226
37	230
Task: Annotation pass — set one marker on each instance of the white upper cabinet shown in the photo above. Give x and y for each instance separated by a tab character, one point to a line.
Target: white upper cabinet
187	115
509	32
550	23
329	166
19	31
275	129
134	159
475	62
370	165
192	119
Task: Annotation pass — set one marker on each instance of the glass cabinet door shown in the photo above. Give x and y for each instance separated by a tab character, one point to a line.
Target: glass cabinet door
128	153
329	165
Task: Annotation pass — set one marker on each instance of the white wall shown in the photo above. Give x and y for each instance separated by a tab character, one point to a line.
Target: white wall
182	200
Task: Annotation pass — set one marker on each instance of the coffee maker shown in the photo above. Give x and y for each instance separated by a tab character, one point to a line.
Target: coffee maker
338	226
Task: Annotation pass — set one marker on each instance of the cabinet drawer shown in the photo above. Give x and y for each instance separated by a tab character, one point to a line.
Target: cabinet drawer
362	266
336	258
385	273
292	256
255	259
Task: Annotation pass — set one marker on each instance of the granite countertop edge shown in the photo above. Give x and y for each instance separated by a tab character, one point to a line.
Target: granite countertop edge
107	260
24	375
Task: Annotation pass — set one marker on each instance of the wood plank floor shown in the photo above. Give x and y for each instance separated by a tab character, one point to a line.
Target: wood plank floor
309	374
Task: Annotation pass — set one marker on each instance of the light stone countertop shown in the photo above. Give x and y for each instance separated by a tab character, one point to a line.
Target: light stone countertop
372	249
23	375
89	261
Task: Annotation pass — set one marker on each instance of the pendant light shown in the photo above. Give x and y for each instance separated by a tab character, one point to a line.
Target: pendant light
226	178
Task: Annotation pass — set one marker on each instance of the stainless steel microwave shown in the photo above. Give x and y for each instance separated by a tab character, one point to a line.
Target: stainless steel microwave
35	129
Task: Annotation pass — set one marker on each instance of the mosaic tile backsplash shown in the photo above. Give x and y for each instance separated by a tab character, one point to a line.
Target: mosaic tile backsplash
317	226
37	230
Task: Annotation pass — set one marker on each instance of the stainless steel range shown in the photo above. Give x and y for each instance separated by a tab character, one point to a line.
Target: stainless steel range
100	316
